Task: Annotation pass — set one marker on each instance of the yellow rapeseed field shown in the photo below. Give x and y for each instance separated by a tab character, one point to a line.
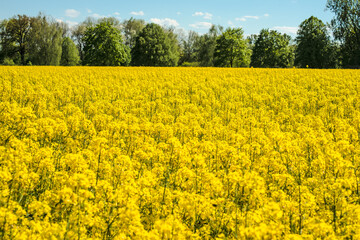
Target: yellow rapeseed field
179	153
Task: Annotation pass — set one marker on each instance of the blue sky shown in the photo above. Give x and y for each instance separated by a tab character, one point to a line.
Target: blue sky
197	15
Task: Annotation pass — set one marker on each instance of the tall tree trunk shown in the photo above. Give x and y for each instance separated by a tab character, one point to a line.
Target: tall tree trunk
22	54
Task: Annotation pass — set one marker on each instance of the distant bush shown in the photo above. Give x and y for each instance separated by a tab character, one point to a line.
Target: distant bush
8	62
190	64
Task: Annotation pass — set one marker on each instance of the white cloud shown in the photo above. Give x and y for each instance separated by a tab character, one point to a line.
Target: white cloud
178	13
266	15
72	13
140	13
96	15
245	18
165	22
116	13
71	23
198	14
286	29
208	16
242	19
205	15
88	10
201	25
252	17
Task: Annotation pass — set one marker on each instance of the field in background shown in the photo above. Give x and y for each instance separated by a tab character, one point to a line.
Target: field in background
179	153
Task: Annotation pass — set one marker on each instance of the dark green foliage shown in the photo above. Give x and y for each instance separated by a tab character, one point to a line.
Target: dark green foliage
190	64
350	52
314	48
35	39
154	47
70	53
272	49
207	47
8	62
15	37
231	49
190	49
132	28
78	33
174	45
46	42
346	28
43	41
251	40
3	45
103	46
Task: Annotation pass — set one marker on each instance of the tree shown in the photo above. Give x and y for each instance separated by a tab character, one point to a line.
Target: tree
346	28
70	54
3	52
154	47
113	21
65	29
174	45
15	37
78	33
190	48
272	49
208	45
46	41
251	40
231	49
132	27
314	48
103	46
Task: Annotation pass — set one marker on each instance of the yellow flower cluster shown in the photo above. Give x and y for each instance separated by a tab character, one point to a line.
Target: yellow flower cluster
179	153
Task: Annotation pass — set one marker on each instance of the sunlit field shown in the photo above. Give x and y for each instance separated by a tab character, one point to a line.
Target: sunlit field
179	153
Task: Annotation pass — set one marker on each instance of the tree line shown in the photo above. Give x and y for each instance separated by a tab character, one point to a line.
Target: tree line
41	40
